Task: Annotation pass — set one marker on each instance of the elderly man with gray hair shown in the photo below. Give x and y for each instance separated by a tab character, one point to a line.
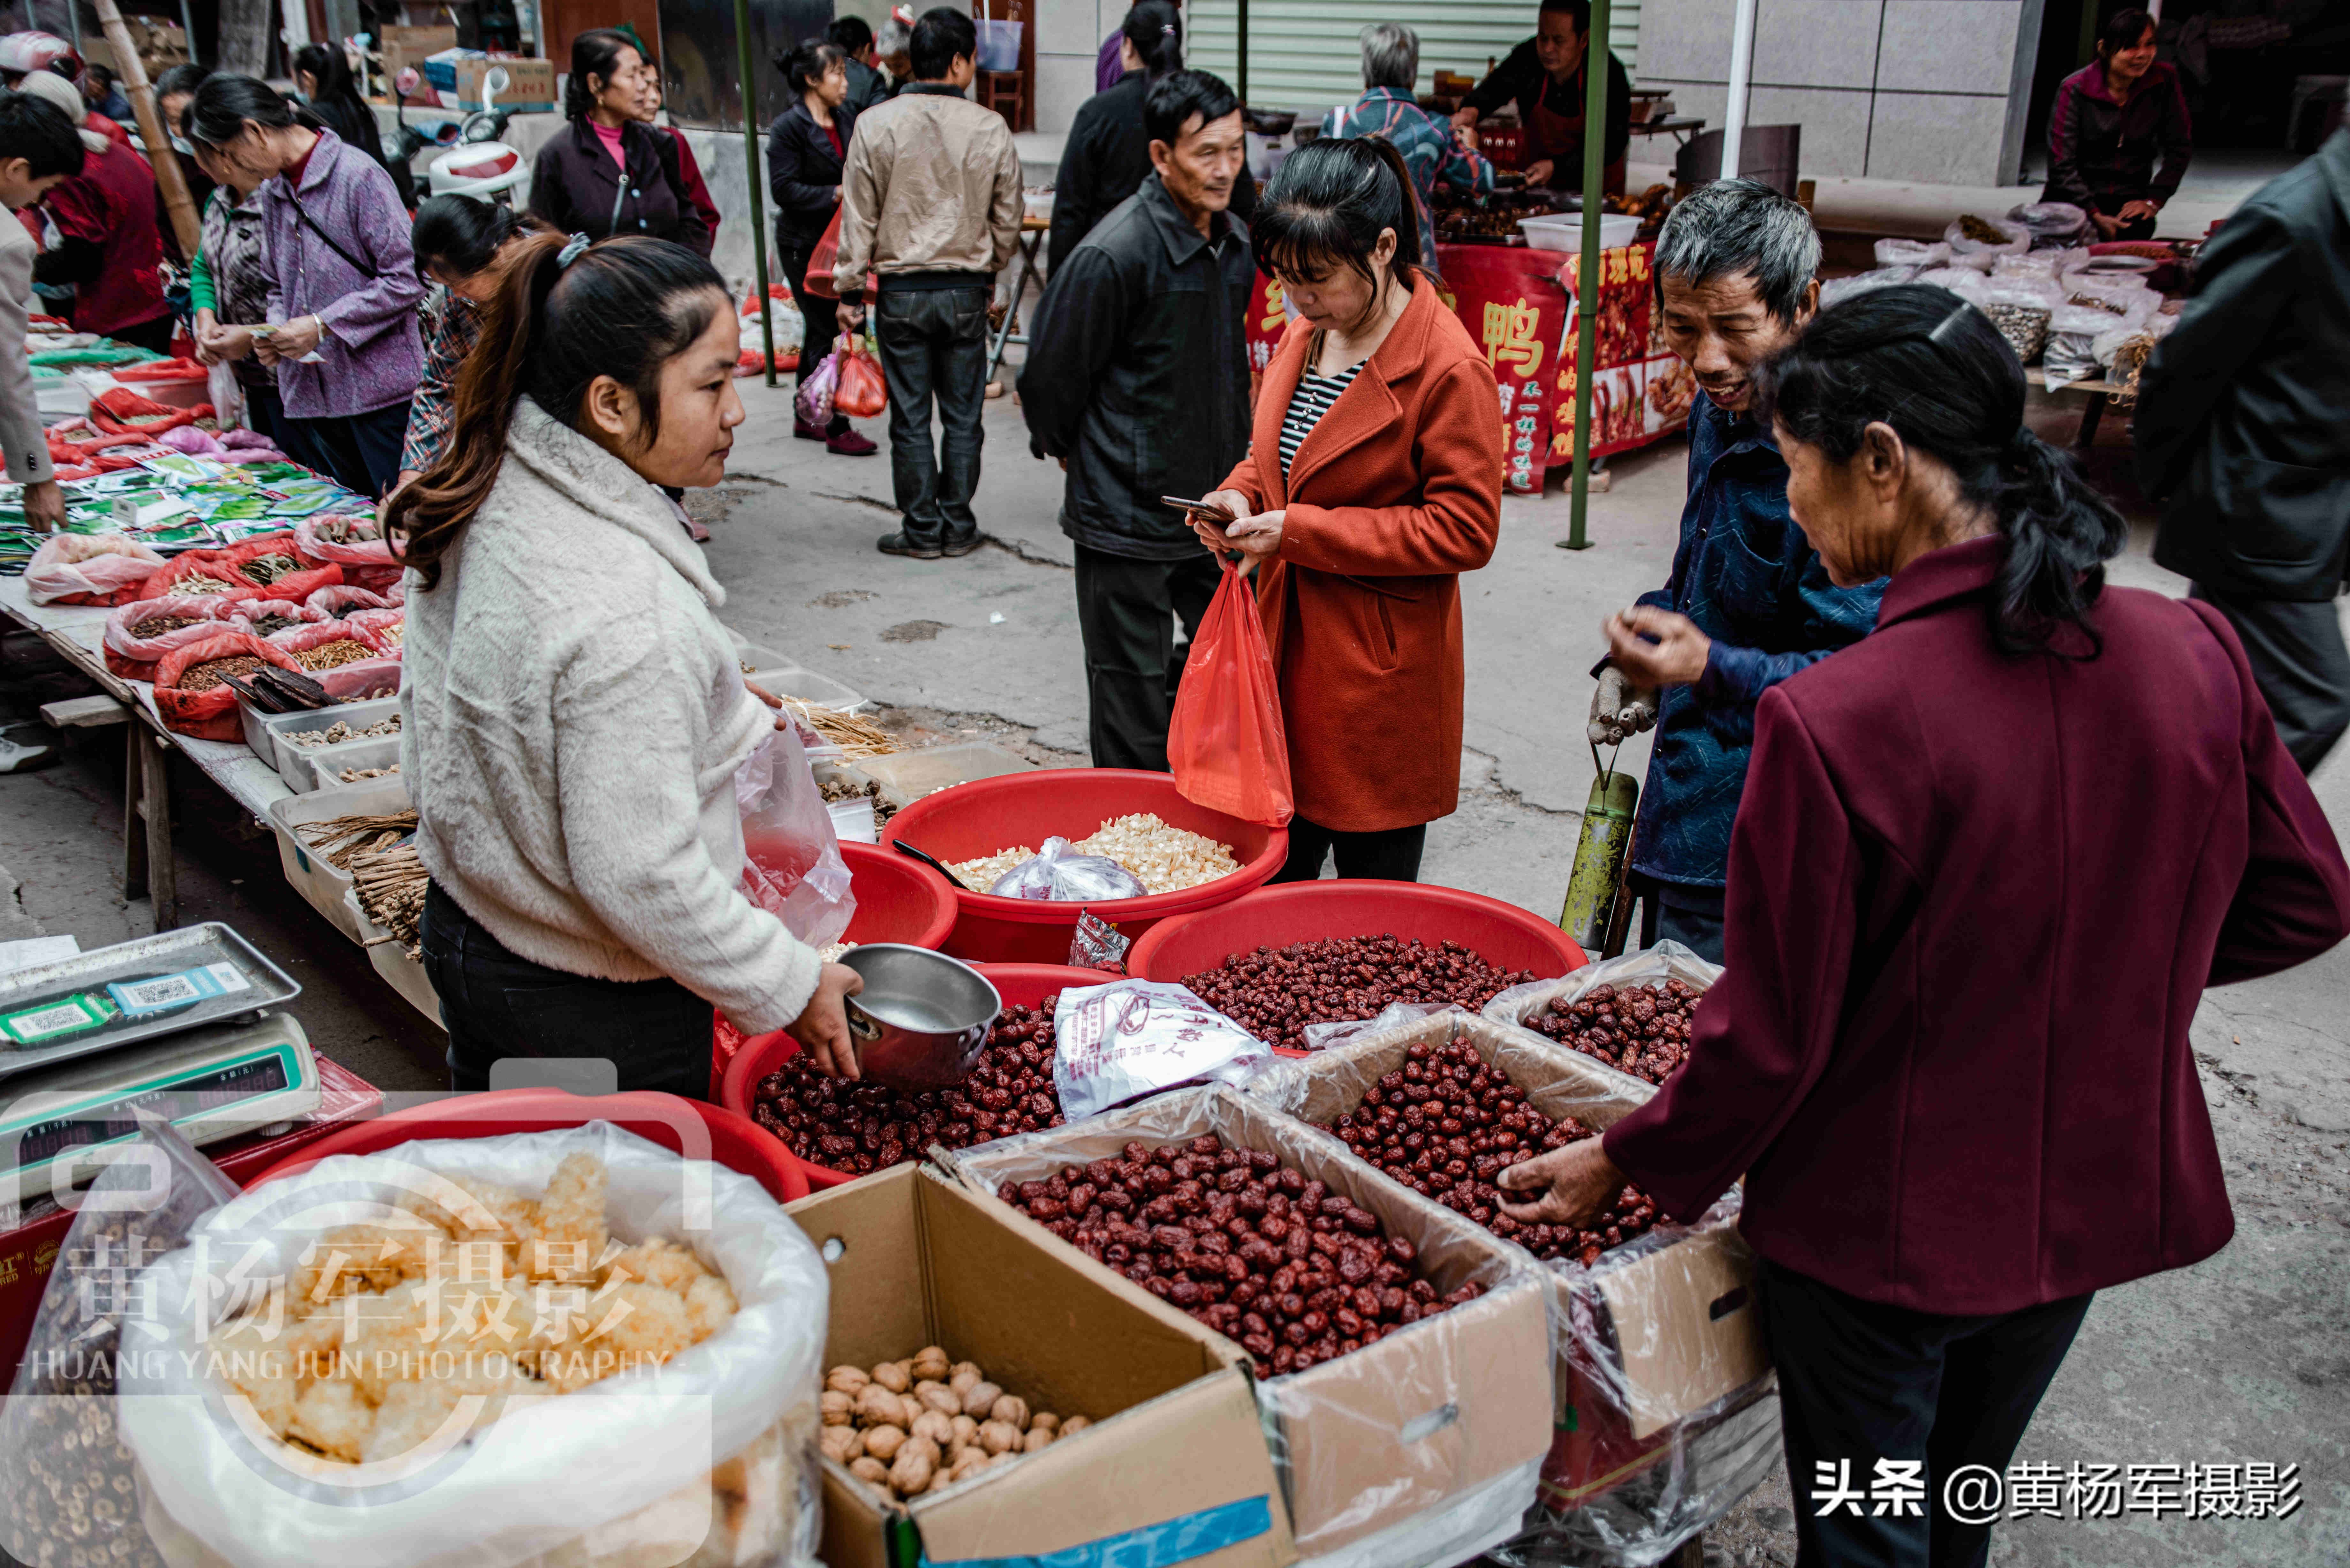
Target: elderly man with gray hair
1748	604
1432	151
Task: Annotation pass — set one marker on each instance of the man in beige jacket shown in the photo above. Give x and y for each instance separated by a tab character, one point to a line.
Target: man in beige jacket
38	147
931	203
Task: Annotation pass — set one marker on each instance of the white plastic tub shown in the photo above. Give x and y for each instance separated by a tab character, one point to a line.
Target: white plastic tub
309	874
292	762
1564	231
326	763
402	974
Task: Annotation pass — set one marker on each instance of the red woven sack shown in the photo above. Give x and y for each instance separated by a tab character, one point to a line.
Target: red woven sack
162	370
1226	744
118	409
209	715
135	658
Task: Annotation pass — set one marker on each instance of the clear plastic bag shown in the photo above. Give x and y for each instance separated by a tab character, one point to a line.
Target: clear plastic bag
1422	1447
68	1488
1659	1343
2015	236
1967	282
1131	1038
2050	223
707	1460
1055	875
1837	288
812	404
1519	1006
1911	253
792	866
135	658
88	569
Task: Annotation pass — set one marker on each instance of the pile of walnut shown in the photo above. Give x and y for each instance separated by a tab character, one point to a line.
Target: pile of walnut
452	1303
923	1424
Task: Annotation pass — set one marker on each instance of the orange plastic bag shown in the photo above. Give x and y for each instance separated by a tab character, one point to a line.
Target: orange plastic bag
1226	744
862	391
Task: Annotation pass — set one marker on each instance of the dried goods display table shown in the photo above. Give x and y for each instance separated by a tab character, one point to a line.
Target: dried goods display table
2100	394
75	633
1516	302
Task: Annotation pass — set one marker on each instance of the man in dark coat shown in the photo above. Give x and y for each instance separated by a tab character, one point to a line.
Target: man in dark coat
2241	435
1137	380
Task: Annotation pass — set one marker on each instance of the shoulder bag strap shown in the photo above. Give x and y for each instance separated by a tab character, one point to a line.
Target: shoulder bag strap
312	225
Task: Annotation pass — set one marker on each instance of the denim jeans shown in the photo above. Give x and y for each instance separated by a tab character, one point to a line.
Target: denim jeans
497	1003
934	346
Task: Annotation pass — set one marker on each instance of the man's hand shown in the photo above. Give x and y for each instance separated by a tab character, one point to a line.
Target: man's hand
849	317
1465	118
1620	709
2133	211
822	1027
1570	1185
1676	657
1538	172
44	507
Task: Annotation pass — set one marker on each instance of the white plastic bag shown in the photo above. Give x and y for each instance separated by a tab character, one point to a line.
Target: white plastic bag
791	857
1054	873
2015	237
1965	282
1131	1038
1911	253
96	564
1841	289
2050	223
621	1470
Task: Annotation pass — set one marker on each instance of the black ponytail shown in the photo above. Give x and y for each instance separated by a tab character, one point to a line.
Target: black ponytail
622	307
461	235
216	116
1327	204
1155	28
803	67
1926	362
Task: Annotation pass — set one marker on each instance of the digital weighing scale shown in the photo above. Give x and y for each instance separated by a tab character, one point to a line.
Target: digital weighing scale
211	1082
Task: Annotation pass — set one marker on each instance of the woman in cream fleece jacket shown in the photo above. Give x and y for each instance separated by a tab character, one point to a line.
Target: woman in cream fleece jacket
574	714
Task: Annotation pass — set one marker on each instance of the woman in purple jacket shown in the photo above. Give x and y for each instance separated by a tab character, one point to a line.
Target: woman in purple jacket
343	287
1987	861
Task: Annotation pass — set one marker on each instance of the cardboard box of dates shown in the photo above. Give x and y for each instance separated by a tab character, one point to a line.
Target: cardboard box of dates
1642	1045
1169	1466
1423	1442
1667	1413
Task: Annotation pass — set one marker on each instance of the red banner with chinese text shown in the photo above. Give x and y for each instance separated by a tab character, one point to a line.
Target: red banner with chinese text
1641	390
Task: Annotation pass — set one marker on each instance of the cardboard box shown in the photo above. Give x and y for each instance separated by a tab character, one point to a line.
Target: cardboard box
530	84
1659	1346
1421	1448
405	47
917	1259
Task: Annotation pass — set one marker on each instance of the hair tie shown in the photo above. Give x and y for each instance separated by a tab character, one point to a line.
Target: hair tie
1166	31
570	252
1948	321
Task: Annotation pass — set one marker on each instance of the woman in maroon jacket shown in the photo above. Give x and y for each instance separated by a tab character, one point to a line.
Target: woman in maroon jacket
1987	862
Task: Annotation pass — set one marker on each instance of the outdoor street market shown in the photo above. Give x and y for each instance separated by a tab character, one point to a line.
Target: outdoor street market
1464	964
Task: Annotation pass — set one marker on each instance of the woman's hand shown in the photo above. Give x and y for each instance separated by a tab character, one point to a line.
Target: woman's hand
1676	657
2107	227
1255	538
408	476
207	323
822	1027
230	342
293	340
1570	1184
2133	211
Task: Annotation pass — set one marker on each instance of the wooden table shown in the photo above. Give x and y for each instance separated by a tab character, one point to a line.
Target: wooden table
2099	394
1033	230
76	633
1679	127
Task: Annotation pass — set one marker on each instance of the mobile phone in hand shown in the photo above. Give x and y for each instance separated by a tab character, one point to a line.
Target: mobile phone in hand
1214	510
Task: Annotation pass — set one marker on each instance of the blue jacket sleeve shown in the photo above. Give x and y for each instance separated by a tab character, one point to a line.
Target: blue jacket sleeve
1820	617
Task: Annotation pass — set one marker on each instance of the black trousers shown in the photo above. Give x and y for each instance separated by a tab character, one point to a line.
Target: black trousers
1391	855
359	452
498	1004
2298	659
1127	611
1691	916
154	335
265	414
933	346
1862	1383
822	326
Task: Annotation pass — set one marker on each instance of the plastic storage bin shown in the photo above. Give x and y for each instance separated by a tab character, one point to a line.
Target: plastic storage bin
906	777
265	732
1563	232
390	961
734	1141
309	873
1019	984
326	763
987	816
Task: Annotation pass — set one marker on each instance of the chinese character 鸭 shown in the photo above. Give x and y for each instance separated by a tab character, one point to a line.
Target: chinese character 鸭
1510	334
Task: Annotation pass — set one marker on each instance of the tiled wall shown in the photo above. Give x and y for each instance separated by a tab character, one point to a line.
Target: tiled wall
1932	90
1069	36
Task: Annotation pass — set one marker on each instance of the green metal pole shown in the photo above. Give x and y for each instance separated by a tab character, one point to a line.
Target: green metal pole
1587	276
751	172
1241	44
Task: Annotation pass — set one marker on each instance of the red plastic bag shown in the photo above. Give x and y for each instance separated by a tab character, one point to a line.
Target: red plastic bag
822	259
1226	744
135	658
210	714
862	391
228	565
120	411
89	568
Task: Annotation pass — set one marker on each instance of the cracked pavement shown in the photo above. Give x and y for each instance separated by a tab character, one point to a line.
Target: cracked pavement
2244	1357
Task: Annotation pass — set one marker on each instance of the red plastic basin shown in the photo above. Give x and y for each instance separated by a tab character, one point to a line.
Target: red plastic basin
1501	934
898	898
735	1141
987	816
1019	984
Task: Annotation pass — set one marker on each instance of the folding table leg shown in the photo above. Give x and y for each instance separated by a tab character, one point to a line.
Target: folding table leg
160	875
134	828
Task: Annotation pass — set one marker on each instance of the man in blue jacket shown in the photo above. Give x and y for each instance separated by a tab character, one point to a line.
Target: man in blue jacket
1748	604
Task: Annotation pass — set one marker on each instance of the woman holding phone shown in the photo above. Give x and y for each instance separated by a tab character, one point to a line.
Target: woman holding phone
1373	480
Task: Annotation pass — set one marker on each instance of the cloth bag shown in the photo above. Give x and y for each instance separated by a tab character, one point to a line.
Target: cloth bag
1226	744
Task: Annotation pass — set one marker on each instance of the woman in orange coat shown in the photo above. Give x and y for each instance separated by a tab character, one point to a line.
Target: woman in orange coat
1374	480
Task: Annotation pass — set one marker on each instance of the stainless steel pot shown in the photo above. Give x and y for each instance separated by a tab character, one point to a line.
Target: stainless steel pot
922	1018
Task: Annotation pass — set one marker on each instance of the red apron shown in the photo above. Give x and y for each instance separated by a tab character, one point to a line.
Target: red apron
1559	137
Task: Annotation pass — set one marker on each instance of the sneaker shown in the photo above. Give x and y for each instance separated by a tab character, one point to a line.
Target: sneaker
806	431
848	443
904	544
951	545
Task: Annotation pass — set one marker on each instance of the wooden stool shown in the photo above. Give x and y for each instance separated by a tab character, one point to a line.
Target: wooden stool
1006	92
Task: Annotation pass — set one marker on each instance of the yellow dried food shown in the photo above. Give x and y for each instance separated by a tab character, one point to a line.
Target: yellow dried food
331	1417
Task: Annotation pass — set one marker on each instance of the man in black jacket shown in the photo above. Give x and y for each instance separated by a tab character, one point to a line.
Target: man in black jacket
1545	78
2241	433
1137	380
